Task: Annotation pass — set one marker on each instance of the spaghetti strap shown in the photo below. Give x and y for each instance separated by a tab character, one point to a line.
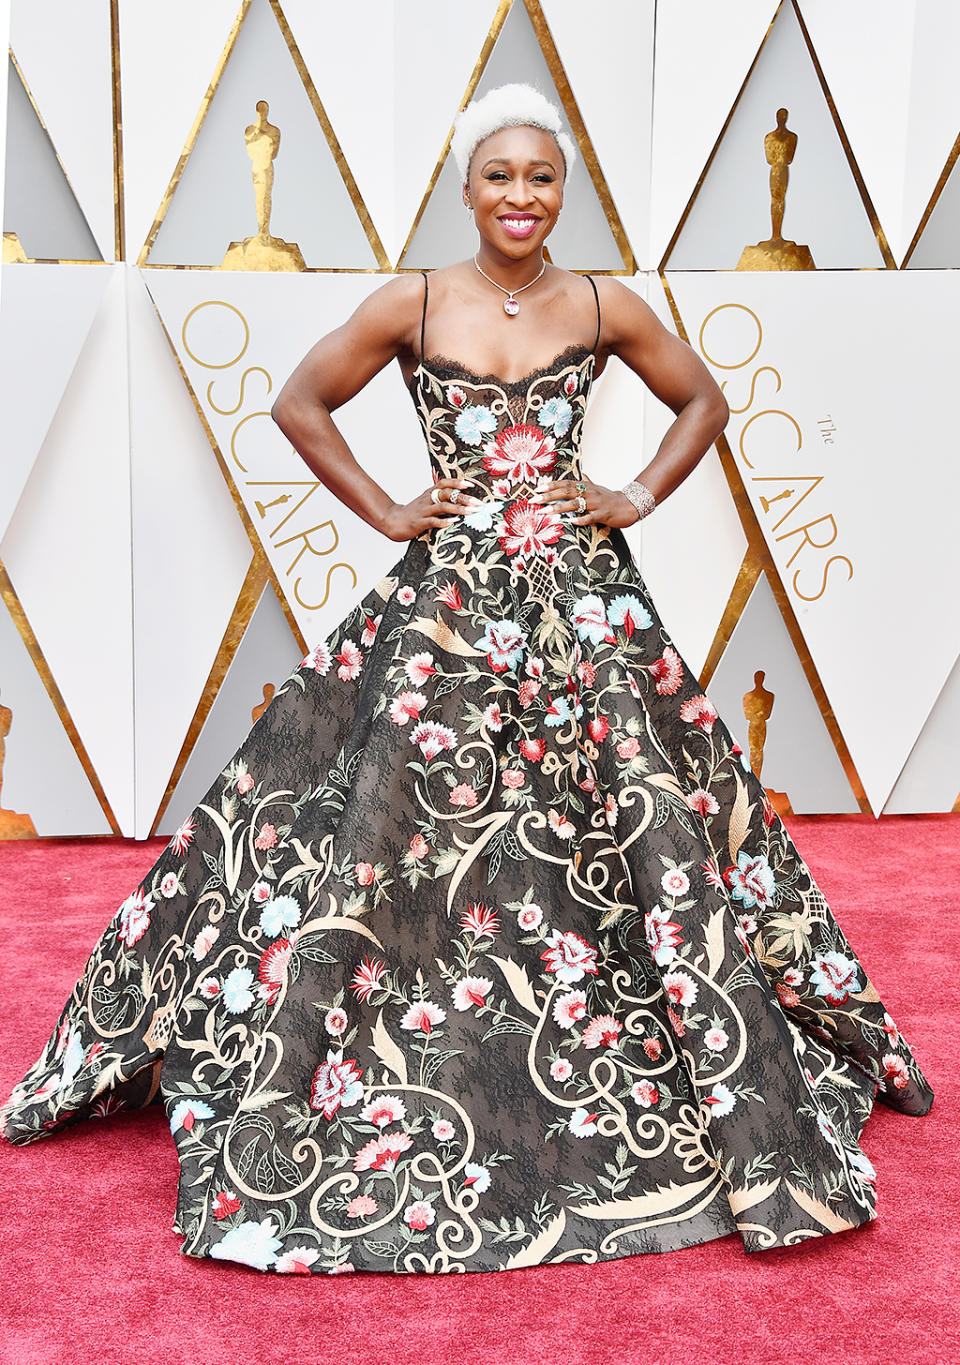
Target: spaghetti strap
423	317
596	340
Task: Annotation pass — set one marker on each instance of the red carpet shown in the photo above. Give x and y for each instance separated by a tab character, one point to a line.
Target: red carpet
92	1271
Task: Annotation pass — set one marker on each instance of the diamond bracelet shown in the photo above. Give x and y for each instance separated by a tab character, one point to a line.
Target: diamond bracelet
641	497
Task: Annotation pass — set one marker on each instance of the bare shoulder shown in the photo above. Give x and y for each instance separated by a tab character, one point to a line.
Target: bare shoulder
392	312
625	315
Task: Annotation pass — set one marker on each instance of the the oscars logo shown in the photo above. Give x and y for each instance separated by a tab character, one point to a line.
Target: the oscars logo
780	147
263	252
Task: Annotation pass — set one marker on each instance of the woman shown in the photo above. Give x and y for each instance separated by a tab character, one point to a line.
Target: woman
487	949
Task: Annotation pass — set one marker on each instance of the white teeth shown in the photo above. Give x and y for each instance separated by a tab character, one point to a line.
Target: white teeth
518	223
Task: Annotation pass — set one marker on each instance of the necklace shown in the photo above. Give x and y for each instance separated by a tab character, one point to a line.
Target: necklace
510	305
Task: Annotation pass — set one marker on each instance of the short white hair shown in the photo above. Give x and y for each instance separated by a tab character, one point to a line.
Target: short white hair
508	106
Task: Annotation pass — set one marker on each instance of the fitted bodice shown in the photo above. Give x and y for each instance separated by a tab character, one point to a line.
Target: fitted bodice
505	436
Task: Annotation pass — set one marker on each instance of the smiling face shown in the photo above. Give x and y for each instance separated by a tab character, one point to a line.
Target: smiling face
515	187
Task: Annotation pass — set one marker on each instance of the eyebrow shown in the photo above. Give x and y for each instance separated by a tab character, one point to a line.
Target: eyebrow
506	161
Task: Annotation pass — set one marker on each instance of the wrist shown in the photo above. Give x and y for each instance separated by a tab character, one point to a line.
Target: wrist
381	522
640	497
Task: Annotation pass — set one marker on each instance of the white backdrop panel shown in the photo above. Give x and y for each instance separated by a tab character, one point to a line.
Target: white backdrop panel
824	210
44	320
930	780
436	48
798	756
42	776
337	43
64	51
323	576
866	50
4	68
214	205
823	363
168	55
703	52
934	105
39	206
620	129
582	238
190	552
267	653
67	550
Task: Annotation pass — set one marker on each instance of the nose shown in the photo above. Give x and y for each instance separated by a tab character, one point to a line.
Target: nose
520	193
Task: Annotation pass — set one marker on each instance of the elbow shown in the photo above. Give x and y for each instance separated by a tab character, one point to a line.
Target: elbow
720	412
281	410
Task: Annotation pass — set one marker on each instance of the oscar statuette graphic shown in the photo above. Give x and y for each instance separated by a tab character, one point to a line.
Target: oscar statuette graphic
757	706
263	252
12	825
13	252
780	147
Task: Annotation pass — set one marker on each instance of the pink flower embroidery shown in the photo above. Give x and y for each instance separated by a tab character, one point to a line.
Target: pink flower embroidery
668	672
529	529
419	1215
896	1069
361	1206
383	1153
368	978
183	836
449	596
350	660
419	668
407	706
336	1082
433	738
602	1031
569	956
423	1016
471	991
384	1110
699	711
519	454
480	920
273	967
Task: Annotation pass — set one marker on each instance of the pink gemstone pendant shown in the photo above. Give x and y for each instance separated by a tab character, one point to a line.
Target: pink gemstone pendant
511	307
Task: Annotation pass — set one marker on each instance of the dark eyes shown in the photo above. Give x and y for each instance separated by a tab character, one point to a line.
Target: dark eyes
541	177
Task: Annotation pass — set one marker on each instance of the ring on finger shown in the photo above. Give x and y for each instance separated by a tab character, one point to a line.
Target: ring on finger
581	488
581	505
434	495
454	495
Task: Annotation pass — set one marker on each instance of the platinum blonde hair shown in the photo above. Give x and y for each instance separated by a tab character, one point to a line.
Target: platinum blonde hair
508	106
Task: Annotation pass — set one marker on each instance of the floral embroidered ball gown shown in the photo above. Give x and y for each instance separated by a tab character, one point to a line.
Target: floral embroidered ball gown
486	949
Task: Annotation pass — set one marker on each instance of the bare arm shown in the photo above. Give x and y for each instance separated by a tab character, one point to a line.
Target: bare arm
677	376
332	372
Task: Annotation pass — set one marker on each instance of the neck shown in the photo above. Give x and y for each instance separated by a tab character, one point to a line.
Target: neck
514	274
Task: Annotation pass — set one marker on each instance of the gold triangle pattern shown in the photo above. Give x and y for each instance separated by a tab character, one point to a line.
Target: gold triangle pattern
759	559
331	139
883	245
19	617
575	120
934	199
15	250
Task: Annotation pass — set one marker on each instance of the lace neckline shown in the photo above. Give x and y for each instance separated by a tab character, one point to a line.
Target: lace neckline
458	370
